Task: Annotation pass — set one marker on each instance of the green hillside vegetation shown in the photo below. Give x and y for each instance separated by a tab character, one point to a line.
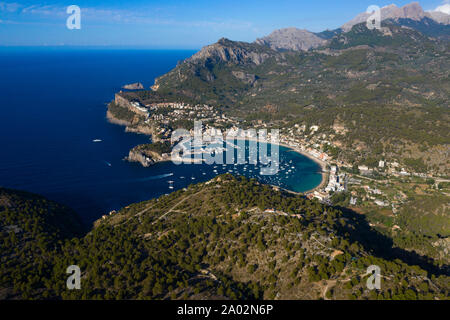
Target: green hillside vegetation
427	215
389	89
159	147
32	230
220	239
121	113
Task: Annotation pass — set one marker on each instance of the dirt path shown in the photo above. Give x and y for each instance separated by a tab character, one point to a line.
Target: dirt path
176	205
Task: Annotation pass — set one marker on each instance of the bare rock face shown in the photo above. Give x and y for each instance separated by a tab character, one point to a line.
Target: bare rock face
133	86
439	17
135	156
230	52
121	101
144	157
291	39
245	77
411	11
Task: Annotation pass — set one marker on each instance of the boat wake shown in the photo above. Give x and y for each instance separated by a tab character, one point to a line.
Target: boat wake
161	176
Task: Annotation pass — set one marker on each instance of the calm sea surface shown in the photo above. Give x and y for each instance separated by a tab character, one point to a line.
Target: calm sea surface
52	107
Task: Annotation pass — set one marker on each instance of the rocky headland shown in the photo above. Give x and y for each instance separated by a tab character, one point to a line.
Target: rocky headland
134	86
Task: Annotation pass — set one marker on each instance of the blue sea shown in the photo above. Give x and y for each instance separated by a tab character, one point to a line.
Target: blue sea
52	107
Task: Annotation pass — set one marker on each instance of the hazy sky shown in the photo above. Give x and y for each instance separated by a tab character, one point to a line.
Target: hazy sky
188	24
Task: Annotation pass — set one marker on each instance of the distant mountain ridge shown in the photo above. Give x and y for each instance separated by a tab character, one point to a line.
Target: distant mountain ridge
431	23
411	11
291	39
403	66
231	51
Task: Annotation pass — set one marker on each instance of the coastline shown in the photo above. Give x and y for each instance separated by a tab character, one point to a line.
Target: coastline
111	119
323	165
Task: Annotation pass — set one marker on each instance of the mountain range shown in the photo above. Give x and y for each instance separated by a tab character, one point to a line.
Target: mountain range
411	15
380	75
411	11
372	94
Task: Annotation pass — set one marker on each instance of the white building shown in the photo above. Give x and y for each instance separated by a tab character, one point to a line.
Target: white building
381	203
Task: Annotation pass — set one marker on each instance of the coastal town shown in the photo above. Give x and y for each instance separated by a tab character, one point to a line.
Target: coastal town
220	158
338	175
384	191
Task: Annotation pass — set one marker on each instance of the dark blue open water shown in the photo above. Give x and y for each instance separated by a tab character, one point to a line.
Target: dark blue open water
53	104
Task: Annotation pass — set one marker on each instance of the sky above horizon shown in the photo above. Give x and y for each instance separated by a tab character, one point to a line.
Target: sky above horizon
172	24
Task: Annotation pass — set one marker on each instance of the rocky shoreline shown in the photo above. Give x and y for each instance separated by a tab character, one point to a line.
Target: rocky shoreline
110	117
133	86
146	155
145	159
130	126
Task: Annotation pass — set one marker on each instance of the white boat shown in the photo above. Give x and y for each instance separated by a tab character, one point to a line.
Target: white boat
97	140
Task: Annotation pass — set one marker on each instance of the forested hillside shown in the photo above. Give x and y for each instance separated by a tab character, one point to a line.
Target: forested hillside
228	238
388	89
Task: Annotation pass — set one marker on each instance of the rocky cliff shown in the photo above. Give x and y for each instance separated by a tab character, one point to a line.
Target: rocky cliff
291	39
121	101
145	156
134	86
240	53
144	159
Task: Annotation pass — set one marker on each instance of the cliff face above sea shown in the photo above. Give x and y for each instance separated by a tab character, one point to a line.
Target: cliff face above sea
122	112
149	154
145	160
